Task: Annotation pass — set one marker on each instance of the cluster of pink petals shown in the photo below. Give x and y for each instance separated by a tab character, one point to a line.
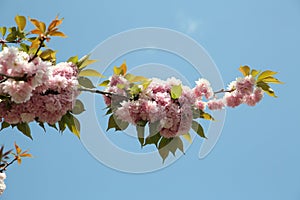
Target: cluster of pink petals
155	104
47	94
175	116
14	63
243	91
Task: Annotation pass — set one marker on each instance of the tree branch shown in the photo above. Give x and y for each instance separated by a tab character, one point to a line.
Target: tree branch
223	91
102	92
7	165
42	40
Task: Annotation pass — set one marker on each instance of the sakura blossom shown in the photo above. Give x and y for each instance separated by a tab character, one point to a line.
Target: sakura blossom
2	184
45	94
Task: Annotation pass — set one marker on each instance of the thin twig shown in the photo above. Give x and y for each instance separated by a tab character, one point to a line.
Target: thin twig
223	91
42	40
109	94
7	165
17	78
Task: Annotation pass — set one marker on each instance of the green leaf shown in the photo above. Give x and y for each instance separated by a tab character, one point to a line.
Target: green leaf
90	72
48	55
141	134
265	87
176	91
198	129
3	30
41	124
24	47
109	111
52	126
265	74
135	89
21	22
78	108
4	125
112	123
188	137
245	70
175	144
104	83
25	129
71	122
73	59
162	147
62	125
121	125
154	139
84	61
154	128
85	82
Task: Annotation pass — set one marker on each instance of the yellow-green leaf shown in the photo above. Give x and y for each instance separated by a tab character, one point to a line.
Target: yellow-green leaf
176	91
265	74
21	22
104	83
3	30
72	123
90	72
206	116
48	54
271	79
73	59
245	70
266	88
188	137
254	72
84	61
120	70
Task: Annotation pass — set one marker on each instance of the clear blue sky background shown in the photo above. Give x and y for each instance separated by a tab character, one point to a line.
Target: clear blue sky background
258	154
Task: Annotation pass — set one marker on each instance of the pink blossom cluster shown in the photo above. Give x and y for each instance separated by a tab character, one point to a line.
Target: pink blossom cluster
243	91
155	103
45	95
2	184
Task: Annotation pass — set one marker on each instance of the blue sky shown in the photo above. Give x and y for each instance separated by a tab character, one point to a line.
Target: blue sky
257	156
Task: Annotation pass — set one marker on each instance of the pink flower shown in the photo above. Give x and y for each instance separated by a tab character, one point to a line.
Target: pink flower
20	91
203	88
233	99
255	97
200	104
245	85
216	104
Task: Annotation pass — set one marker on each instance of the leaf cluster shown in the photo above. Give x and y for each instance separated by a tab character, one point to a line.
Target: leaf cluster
263	79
